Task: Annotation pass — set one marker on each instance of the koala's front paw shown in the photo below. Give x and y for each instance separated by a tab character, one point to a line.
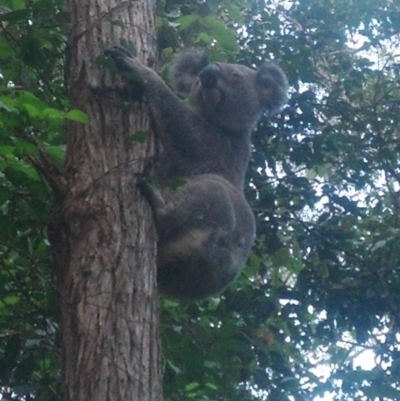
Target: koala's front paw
123	59
119	51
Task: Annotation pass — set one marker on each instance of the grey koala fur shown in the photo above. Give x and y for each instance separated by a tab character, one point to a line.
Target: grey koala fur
205	225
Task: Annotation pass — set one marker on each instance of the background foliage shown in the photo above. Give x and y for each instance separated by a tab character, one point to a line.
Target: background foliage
322	286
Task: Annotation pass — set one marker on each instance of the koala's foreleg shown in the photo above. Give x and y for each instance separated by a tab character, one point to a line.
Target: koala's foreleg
164	105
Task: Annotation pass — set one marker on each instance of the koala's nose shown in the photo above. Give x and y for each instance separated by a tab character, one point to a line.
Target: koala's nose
209	75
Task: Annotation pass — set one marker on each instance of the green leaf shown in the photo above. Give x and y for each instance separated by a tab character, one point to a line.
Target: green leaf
22	147
187	21
32	110
7	103
191	386
379	244
225	37
78	116
6	49
18	4
53	114
282	257
6	150
234	12
7	108
11	300
205	38
212	386
57	153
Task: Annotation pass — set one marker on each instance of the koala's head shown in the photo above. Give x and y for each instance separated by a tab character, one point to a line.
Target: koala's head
231	96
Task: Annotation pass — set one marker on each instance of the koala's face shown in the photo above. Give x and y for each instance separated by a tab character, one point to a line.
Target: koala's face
233	96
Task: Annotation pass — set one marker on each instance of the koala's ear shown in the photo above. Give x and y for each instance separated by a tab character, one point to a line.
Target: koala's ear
272	86
184	69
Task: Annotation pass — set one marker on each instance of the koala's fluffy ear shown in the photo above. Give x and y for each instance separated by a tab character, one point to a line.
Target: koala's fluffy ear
273	87
185	68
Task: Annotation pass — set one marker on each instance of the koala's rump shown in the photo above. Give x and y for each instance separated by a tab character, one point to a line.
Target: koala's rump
205	235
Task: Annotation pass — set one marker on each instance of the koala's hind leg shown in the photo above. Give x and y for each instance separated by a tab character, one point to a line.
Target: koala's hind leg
206	230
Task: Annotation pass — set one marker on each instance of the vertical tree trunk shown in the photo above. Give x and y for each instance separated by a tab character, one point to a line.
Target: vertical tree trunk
104	235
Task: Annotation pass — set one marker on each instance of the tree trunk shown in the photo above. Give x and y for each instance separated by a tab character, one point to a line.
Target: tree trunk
103	233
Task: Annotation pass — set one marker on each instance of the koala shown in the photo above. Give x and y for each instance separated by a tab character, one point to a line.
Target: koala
204	224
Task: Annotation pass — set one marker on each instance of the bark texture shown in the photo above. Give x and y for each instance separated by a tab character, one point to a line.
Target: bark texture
102	232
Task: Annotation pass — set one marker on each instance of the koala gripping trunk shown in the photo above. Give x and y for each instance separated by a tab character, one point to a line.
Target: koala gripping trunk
205	225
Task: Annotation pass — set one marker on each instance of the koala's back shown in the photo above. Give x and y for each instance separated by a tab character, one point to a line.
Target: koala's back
206	149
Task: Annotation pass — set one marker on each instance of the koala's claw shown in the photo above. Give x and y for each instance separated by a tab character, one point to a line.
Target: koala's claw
118	51
127	64
119	55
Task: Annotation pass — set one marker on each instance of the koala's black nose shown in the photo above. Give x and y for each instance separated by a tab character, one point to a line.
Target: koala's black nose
209	75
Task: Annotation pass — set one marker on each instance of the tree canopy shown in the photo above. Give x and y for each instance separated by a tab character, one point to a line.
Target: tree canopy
322	286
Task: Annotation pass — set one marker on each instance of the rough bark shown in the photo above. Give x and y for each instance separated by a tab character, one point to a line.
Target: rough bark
102	230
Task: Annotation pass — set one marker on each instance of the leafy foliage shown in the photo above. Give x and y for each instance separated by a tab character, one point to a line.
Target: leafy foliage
322	285
32	108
